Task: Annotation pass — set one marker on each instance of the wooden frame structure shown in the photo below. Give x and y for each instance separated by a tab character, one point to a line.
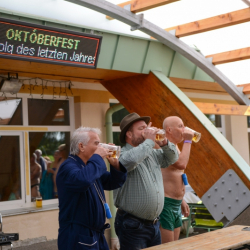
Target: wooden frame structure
199	26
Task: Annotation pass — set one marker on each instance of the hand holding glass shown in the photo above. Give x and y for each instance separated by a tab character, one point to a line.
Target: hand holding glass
116	150
197	135
160	135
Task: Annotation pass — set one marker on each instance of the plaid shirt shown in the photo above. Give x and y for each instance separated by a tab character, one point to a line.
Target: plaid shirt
142	195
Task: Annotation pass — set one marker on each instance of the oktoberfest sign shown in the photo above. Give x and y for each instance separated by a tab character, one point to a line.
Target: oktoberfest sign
19	40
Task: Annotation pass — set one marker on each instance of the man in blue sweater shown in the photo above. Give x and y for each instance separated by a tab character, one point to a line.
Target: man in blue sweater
81	181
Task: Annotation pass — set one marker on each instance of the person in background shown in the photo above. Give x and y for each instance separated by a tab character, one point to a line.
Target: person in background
40	160
174	188
62	156
81	181
140	200
48	161
35	176
55	166
48	187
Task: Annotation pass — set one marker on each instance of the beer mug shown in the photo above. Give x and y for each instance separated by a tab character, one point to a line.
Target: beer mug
197	135
160	135
39	201
116	150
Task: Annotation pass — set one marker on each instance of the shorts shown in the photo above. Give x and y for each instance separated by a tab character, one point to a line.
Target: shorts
170	217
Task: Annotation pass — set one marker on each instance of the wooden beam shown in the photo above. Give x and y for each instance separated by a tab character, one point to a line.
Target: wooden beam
59	72
148	96
196	85
231	56
246	88
223	109
212	23
142	5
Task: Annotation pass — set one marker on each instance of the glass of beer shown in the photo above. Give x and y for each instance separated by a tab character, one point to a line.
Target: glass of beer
197	135
160	135
116	150
39	201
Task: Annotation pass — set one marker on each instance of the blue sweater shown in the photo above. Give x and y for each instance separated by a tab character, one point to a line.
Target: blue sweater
81	212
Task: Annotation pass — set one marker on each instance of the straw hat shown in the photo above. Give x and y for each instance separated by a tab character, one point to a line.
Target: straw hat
127	121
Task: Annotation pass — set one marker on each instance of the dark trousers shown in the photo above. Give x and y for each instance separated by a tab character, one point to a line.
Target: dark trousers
135	235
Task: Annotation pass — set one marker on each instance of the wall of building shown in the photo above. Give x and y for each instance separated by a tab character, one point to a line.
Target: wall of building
237	134
33	225
90	106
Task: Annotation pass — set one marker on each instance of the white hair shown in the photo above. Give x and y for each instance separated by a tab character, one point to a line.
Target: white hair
38	152
81	135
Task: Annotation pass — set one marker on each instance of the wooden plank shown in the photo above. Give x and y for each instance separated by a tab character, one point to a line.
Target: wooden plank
189	84
142	5
223	109
225	238
231	56
58	72
246	88
212	23
147	95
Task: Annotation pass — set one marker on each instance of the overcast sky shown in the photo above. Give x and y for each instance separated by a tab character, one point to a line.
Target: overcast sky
180	12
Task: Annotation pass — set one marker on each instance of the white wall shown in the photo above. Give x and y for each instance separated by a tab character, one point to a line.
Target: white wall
237	134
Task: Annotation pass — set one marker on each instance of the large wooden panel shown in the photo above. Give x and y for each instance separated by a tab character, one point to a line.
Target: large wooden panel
147	95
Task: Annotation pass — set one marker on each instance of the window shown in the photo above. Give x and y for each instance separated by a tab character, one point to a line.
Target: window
116	119
10	168
48	143
43	124
11	111
215	119
218	121
48	112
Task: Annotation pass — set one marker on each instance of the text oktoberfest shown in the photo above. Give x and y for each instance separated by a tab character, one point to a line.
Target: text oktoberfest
35	38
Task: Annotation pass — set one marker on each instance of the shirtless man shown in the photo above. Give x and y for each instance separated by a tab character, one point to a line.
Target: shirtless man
174	188
35	176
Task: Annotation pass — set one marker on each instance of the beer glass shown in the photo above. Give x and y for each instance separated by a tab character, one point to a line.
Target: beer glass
197	135
39	201
160	135
116	150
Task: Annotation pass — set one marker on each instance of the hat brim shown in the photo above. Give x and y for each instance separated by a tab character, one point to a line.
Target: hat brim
125	129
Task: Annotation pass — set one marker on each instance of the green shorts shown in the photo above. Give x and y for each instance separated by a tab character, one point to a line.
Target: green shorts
170	217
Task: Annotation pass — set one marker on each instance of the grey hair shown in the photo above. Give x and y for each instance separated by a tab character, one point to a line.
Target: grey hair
38	151
81	135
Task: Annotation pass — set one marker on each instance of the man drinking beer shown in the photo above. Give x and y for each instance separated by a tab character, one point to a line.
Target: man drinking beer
174	188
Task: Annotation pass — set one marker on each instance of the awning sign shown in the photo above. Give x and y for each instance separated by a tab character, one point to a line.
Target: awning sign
23	41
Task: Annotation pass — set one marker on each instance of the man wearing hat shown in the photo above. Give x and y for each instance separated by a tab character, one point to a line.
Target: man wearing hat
140	200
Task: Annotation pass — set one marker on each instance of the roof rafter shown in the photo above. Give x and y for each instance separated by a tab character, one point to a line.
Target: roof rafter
142	5
223	109
246	88
212	23
231	56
